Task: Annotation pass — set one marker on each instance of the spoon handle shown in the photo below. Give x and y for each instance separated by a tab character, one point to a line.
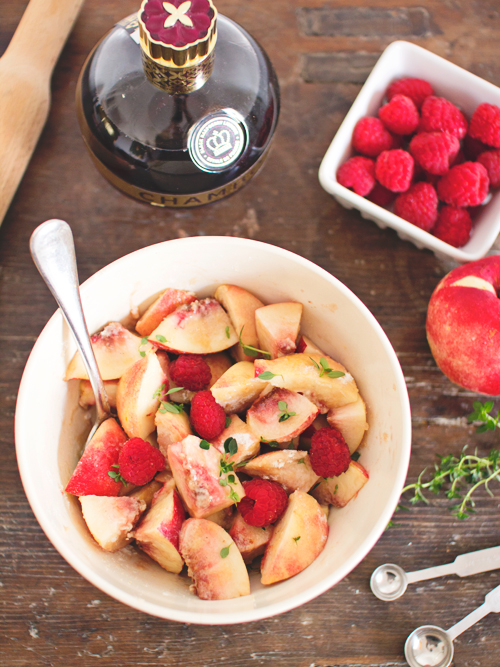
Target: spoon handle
463	565
53	252
491	604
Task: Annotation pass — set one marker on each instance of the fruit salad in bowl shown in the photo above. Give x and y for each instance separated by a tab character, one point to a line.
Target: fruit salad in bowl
260	440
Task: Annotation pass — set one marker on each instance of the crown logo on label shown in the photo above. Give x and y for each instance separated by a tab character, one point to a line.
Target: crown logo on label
219	142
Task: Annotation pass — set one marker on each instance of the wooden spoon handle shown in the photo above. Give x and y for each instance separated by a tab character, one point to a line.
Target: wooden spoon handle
42	33
25	72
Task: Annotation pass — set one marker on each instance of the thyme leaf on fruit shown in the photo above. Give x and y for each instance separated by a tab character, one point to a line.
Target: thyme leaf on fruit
458	477
251	351
144	341
355	456
115	474
296	539
161	339
204	444
324	369
267	375
228	421
271	443
228	335
224	553
174	408
226	467
284	414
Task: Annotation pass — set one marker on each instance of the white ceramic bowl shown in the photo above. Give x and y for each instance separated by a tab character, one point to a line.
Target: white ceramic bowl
51	428
467	91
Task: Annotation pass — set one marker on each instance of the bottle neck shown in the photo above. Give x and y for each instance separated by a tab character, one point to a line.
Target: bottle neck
178	80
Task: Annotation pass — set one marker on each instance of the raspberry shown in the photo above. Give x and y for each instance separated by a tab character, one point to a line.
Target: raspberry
485	124
453	226
139	461
400	115
191	372
491	160
394	170
329	454
381	196
434	151
415	89
358	173
370	137
264	502
440	115
207	416
418	206
465	184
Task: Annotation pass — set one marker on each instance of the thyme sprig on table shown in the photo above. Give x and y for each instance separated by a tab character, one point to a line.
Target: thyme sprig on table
459	477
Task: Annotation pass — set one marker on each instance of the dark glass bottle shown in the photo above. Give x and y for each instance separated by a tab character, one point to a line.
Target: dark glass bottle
178	124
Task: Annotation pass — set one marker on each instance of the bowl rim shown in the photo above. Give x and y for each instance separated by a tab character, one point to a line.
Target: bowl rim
331	160
205	618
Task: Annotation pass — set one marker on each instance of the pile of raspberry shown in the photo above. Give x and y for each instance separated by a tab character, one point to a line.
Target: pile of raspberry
425	160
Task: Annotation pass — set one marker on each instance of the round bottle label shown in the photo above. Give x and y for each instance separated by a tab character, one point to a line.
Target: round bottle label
217	141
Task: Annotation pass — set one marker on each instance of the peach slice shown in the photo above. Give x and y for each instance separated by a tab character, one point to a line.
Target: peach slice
350	420
214	562
87	398
136	399
280	415
198	477
248	442
297	540
238	388
110	520
223	518
90	477
278	327
200	327
338	491
241	306
292	469
147	492
115	349
171	427
158	532
302	372
305	344
250	540
165	304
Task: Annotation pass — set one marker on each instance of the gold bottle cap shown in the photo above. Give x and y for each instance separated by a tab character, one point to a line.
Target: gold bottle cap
178	33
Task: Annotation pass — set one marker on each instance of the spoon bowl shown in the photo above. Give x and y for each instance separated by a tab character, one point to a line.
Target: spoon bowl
429	646
388	582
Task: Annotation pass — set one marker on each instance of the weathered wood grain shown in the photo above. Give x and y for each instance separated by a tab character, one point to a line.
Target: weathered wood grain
49	615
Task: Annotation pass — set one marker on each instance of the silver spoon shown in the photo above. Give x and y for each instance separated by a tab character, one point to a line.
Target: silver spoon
389	581
431	646
53	252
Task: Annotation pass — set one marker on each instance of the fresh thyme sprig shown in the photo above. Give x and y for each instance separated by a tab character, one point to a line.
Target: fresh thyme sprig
251	351
161	394
115	474
284	414
324	369
226	467
464	474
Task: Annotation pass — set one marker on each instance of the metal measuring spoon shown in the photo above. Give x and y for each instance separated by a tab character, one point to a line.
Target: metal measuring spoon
388	582
431	646
53	252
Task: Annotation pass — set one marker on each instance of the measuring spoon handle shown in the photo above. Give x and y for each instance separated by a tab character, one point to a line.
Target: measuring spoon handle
491	604
463	565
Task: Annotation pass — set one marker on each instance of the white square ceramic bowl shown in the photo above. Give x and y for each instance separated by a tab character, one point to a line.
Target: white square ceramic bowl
467	91
51	428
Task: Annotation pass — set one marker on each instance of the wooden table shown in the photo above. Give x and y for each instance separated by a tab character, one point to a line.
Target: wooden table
49	614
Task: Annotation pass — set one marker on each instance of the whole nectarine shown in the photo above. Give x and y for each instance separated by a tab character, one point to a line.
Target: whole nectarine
463	325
